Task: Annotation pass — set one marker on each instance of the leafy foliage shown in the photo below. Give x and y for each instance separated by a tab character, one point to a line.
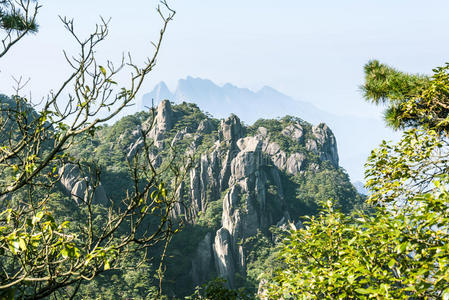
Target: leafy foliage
412	100
399	247
388	254
317	187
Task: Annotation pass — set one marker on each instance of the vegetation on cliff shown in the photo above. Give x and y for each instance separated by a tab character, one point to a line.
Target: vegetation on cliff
281	196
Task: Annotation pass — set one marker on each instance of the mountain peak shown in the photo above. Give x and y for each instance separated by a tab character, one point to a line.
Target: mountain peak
160	92
161	88
269	91
161	85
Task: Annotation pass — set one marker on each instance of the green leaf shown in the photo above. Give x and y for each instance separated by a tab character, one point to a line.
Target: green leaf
153	194
391	263
37	218
107	266
363	291
351	278
14	246
403	247
65	252
103	70
22	244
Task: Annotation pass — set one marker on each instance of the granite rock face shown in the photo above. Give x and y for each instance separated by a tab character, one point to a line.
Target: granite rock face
81	187
245	203
202	260
324	144
278	156
294	131
295	162
224	256
242	169
164	117
231	129
205	126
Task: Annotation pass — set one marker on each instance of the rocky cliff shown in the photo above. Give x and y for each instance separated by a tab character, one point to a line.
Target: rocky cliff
244	181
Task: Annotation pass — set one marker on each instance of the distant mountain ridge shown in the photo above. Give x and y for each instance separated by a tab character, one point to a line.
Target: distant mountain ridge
227	99
356	136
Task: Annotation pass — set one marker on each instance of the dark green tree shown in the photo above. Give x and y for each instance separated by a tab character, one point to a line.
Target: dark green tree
412	100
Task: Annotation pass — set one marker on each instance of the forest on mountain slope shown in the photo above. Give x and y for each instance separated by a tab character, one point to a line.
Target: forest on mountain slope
286	191
161	203
281	195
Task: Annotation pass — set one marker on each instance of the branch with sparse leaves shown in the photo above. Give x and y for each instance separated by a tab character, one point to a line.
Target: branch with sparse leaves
41	254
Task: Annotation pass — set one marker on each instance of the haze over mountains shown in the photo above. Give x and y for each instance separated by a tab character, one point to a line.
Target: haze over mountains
356	136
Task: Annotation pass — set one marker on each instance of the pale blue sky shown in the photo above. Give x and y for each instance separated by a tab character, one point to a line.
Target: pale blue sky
311	50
